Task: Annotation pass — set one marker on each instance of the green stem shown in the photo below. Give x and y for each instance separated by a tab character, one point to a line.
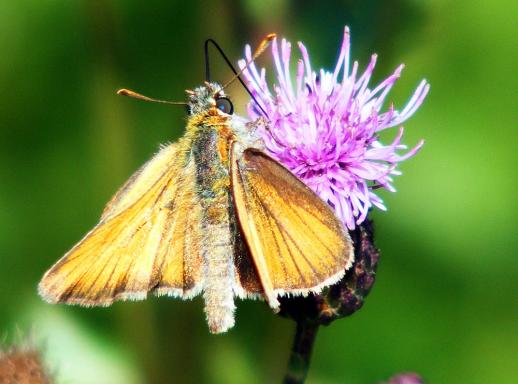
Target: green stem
298	363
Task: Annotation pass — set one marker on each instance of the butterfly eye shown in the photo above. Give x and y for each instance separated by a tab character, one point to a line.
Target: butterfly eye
225	105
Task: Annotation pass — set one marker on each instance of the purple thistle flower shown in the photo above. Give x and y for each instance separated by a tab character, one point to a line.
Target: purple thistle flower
325	128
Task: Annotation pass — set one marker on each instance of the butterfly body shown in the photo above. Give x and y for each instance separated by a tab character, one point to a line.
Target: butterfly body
211	214
213	137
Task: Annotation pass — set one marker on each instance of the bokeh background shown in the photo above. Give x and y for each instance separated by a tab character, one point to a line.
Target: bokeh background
445	301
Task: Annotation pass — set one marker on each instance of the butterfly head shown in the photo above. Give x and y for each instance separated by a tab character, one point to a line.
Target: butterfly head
208	97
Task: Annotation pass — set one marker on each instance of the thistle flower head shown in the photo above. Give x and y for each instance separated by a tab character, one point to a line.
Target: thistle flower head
324	127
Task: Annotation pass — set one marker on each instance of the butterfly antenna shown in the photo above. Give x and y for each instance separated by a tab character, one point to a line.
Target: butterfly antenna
260	49
237	74
135	95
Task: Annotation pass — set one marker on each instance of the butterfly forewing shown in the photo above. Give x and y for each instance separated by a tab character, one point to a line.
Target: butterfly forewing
131	251
297	243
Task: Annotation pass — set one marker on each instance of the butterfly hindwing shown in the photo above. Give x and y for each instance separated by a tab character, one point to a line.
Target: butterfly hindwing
141	243
296	242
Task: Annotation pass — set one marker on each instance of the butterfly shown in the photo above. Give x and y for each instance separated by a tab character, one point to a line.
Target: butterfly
211	214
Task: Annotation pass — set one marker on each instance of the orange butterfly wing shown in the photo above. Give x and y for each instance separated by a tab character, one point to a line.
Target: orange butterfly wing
148	239
296	242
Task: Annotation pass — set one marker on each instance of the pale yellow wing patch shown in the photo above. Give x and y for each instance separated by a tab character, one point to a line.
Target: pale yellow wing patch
297	243
148	239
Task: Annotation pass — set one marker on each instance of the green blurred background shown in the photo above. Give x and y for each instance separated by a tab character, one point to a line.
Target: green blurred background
445	301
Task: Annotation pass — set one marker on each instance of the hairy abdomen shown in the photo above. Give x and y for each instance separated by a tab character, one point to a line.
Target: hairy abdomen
219	272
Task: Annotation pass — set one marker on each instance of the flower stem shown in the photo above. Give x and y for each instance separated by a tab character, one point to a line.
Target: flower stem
298	363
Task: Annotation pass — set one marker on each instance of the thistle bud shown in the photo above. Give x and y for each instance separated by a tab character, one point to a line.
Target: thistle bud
405	378
22	366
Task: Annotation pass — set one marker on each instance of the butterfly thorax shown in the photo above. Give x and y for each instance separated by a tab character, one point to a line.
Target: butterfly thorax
211	138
